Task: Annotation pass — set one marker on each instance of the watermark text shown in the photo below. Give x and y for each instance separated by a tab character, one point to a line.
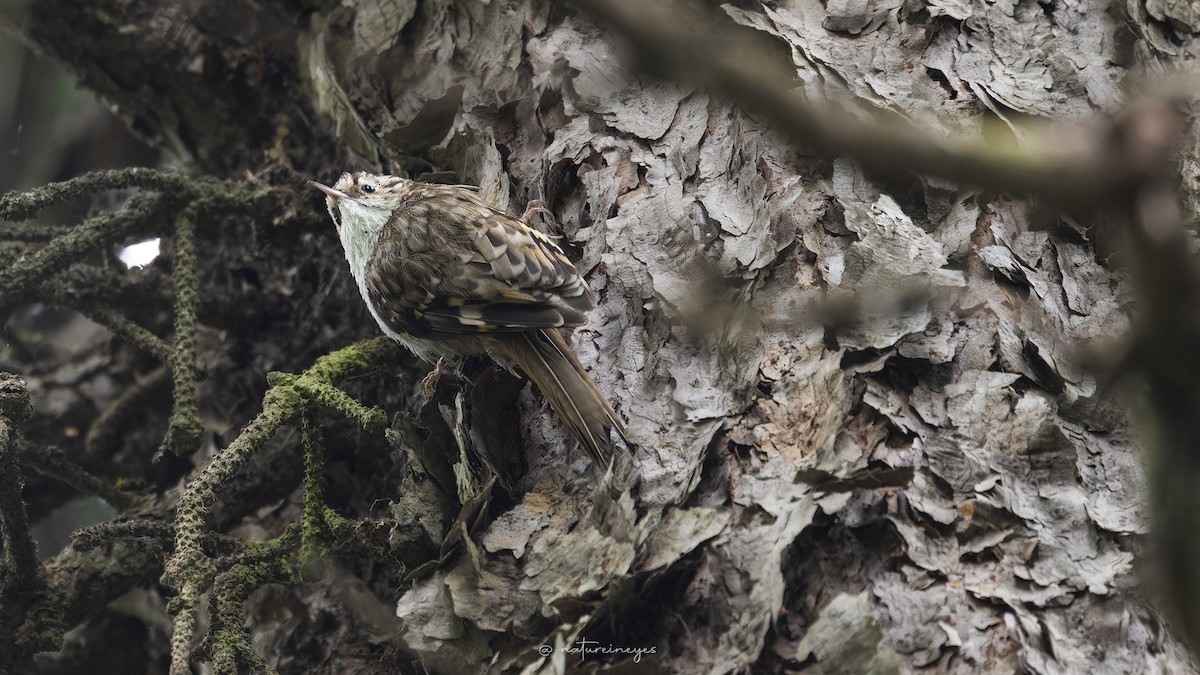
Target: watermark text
585	648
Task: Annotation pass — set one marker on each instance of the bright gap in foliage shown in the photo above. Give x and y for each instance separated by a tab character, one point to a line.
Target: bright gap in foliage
140	254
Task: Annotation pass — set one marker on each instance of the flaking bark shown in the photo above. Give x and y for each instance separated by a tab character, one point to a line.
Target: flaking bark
938	475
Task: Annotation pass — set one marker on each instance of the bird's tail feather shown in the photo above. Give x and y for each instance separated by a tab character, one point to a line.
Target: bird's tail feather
550	363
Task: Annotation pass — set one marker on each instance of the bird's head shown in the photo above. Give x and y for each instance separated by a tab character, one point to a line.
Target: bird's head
361	203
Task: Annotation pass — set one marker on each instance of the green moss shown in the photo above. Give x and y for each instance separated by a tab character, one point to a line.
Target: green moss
284	402
355	359
326	396
259	563
185	427
341	527
276	378
312	524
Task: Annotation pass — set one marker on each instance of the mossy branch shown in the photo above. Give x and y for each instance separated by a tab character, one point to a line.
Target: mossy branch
202	195
163	533
189	569
28	232
22	562
324	395
124	327
23	590
321	525
260	563
312	521
18	206
185	427
139	215
86	286
120	325
87	538
281	404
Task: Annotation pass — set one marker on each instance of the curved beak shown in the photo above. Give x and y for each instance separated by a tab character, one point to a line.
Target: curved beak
336	194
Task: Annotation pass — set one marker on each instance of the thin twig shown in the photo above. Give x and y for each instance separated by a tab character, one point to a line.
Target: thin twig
106	429
124	327
50	461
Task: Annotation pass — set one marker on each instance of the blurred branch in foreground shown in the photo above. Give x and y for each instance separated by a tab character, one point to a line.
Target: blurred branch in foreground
749	72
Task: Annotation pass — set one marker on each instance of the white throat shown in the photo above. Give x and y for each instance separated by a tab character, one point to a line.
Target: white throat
361	224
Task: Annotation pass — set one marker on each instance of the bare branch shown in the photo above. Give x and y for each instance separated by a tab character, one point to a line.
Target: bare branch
114	419
52	462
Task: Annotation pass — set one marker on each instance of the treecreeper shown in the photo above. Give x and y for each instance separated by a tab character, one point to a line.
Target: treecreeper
448	275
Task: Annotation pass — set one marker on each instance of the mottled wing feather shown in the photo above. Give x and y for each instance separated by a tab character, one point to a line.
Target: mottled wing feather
398	287
447	263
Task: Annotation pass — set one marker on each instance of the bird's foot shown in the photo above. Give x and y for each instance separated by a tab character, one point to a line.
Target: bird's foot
533	208
430	383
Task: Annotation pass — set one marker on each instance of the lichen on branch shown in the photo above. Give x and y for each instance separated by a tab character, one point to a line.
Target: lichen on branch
189	569
185	426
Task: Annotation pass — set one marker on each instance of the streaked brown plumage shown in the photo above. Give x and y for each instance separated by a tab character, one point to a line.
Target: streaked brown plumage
447	274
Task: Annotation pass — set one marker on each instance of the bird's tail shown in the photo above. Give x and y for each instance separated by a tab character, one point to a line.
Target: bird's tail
549	362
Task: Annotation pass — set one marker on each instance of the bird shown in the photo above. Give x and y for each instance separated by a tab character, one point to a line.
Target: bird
446	274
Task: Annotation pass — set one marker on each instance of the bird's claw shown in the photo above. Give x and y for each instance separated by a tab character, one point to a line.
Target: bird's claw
430	383
534	207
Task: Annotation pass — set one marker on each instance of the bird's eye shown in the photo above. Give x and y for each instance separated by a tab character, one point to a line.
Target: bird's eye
368	188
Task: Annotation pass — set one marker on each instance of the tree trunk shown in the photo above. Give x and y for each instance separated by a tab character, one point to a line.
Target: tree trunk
867	435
